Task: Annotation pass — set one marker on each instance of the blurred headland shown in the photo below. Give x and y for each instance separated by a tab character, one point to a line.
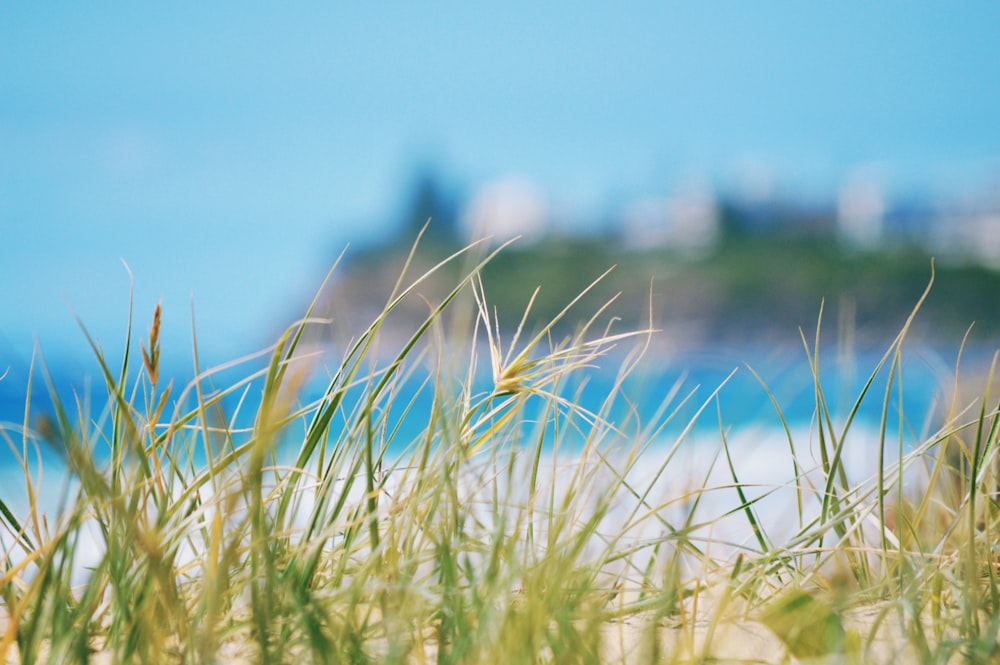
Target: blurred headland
710	267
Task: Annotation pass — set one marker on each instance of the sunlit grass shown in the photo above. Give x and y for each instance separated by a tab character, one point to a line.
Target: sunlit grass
254	523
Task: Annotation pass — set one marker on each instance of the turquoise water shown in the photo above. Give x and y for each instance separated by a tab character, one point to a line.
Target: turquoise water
689	383
693	376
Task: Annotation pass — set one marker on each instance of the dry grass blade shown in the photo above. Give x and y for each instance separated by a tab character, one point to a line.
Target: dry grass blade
405	513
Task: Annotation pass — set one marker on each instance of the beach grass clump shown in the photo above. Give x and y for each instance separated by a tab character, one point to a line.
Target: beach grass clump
451	499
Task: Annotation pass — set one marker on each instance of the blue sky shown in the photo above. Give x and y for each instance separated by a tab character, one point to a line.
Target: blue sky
228	151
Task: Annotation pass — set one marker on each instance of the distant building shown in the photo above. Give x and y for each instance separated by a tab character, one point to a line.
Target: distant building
506	208
688	221
861	210
970	234
983	235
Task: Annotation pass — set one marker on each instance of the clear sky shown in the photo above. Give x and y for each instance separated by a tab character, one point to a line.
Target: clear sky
227	151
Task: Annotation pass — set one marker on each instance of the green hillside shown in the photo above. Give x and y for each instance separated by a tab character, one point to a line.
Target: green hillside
751	289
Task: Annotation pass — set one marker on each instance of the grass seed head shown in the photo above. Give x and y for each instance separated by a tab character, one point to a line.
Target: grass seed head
151	359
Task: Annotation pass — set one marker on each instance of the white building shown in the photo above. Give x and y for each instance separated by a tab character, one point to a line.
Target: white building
861	209
506	208
687	221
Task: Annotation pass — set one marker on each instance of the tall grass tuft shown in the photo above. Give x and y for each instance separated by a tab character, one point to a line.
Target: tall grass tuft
455	498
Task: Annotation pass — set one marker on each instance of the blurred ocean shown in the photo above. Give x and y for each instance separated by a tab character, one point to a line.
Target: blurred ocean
683	459
706	390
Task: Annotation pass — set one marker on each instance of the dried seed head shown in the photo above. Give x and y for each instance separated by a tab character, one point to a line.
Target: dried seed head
154	331
46	427
152	359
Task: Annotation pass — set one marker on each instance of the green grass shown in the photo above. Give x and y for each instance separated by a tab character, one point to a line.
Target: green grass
518	527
